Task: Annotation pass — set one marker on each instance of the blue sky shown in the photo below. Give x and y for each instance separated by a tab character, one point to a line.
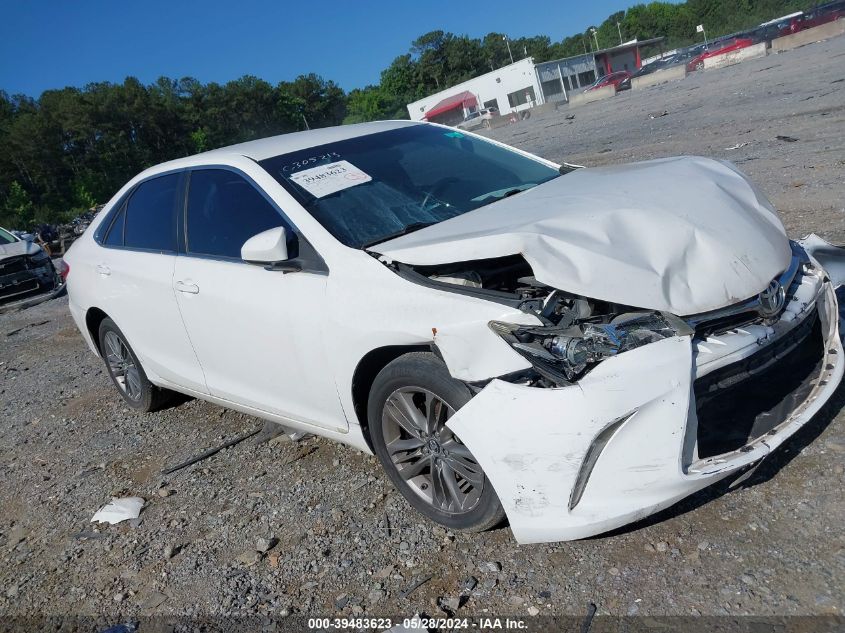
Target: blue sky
55	44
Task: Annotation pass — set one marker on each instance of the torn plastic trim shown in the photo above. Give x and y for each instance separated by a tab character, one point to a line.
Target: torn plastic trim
833	367
715	350
831	258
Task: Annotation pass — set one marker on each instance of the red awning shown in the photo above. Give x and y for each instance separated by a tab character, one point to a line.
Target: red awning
450	103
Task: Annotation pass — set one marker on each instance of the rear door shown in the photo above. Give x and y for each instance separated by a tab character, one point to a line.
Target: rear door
134	273
258	333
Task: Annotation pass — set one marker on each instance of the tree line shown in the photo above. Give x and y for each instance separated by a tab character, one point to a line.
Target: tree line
72	148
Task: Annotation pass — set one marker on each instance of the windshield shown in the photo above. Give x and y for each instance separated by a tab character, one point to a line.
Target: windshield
368	189
6	237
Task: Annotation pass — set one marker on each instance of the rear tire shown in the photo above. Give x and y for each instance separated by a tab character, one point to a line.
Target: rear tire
126	372
409	403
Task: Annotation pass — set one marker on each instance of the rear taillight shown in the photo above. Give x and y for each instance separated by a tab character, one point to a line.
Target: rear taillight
63	268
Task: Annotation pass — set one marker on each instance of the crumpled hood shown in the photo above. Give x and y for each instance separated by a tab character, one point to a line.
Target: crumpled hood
684	235
16	249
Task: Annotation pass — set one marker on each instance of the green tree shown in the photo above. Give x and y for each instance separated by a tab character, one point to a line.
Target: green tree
17	210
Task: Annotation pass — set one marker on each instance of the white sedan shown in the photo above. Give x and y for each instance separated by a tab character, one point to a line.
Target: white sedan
572	349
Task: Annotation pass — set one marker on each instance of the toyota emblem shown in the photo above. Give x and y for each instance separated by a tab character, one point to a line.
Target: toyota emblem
772	299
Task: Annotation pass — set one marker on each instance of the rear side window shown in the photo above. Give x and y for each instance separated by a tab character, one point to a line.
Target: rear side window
115	234
151	214
224	211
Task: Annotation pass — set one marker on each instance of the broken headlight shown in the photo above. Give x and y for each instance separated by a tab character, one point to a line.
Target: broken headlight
569	352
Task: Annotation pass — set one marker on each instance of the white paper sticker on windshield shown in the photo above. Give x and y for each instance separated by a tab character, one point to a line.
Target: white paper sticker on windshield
327	179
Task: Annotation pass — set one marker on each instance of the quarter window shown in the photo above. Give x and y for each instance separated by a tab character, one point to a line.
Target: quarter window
224	211
115	235
150	214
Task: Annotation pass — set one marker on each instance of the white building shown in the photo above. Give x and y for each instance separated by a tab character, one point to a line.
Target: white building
509	89
524	84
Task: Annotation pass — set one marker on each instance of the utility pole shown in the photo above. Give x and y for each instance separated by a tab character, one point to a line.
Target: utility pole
507	41
595	36
585	44
619	28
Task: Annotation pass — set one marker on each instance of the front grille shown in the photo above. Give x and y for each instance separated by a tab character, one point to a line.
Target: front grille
714	327
745	400
13	265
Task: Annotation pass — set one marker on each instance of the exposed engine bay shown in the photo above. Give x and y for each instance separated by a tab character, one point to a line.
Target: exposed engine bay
576	332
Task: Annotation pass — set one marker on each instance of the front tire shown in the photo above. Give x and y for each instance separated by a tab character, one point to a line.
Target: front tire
409	403
126	372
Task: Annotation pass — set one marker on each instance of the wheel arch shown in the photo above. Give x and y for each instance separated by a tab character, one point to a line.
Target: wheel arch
93	318
365	374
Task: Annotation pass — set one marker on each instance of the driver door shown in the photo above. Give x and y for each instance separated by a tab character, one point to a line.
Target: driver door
258	334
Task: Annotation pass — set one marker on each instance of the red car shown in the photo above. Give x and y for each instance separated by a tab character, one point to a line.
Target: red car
697	62
810	19
620	80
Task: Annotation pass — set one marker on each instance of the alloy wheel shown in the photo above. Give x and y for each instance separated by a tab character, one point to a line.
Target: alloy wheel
426	454
122	366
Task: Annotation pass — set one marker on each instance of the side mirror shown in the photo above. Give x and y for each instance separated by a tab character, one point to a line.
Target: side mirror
269	249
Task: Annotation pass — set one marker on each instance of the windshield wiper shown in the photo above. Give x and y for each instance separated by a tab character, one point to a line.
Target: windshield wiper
410	228
504	193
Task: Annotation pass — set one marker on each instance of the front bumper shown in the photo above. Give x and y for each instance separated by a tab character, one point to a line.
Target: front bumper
621	444
28	284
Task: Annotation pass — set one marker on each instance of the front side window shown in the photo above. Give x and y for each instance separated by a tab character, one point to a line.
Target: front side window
368	189
224	211
150	222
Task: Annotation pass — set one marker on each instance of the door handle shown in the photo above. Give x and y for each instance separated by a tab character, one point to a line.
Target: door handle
191	289
103	270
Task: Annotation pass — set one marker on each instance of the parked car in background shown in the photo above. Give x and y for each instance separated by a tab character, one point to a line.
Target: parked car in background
23	235
658	64
621	80
814	17
675	59
477	119
26	269
719	48
573	348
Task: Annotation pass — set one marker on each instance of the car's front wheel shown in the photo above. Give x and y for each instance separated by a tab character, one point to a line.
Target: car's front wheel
126	372
410	402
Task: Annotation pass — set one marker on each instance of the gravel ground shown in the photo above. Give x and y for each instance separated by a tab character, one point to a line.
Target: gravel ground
341	540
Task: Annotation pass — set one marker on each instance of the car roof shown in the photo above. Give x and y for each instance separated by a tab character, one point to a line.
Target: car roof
271	146
285	143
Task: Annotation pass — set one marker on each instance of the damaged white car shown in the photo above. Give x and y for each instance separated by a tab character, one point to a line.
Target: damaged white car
572	349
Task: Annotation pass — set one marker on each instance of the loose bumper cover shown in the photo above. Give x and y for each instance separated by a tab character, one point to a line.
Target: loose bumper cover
630	438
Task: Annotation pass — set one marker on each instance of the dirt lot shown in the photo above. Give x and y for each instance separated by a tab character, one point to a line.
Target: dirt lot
348	544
